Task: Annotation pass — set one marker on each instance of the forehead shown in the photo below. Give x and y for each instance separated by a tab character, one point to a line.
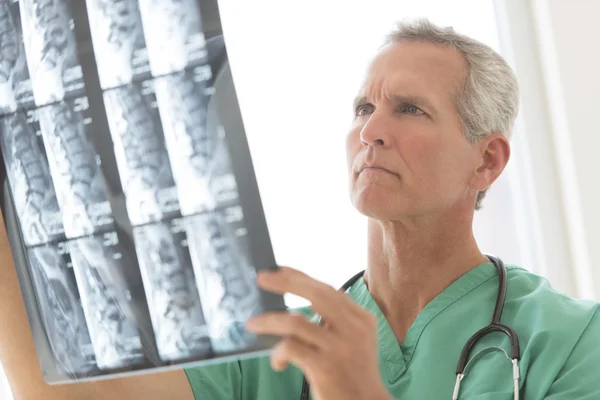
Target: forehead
415	68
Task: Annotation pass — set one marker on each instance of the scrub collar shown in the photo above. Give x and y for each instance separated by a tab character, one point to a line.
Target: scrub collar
397	357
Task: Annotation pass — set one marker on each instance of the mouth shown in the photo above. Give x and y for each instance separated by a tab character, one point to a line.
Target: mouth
375	168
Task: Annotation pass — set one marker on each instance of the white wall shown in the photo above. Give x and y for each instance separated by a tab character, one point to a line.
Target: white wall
576	34
551	44
568	33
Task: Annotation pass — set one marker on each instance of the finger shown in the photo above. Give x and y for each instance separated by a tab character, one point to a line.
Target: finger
334	306
291	325
293	351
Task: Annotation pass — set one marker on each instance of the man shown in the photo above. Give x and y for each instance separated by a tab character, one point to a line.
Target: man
430	134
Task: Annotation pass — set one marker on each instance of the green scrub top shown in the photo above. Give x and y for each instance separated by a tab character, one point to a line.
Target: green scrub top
559	339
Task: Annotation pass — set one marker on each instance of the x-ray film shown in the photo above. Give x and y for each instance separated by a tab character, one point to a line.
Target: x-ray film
179	43
15	85
198	153
118	41
51	49
75	167
177	316
30	180
225	275
60	309
100	264
129	196
141	154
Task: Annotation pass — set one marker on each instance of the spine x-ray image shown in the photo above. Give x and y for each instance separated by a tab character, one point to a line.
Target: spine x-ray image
99	266
15	85
30	180
226	277
223	183
75	167
60	309
130	202
173	300
118	41
51	50
179	43
199	157
140	152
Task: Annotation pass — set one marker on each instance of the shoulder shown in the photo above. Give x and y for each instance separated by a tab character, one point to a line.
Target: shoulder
536	307
556	331
530	295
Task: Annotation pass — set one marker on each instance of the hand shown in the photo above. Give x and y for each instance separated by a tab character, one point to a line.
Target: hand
339	358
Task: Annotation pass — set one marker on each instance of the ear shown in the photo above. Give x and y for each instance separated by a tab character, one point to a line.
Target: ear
495	153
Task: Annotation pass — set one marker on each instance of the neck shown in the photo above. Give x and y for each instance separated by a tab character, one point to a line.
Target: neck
409	264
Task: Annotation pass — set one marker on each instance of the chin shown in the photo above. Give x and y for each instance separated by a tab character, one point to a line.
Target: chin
375	205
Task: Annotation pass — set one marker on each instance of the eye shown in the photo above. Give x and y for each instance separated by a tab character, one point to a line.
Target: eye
363	109
411	109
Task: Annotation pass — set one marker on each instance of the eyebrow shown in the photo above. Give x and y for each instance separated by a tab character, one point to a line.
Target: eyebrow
402	99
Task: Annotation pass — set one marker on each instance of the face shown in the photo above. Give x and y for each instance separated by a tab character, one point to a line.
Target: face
406	152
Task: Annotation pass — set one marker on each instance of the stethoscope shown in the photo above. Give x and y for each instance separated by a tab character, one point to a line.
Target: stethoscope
463	361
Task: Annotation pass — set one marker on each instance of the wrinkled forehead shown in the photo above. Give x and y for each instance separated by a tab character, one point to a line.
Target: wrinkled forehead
415	68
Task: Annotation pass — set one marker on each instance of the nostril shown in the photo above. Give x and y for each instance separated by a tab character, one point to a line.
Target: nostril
376	142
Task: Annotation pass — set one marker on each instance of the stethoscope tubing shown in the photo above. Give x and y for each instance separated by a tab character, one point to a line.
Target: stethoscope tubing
494	326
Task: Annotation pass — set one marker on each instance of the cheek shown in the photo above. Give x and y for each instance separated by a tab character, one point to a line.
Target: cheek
430	162
439	166
417	152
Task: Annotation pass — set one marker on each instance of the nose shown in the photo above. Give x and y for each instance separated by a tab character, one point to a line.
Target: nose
374	143
375	133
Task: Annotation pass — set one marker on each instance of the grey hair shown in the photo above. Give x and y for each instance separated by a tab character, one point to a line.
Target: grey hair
488	98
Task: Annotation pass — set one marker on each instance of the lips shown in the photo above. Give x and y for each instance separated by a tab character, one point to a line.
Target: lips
375	168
